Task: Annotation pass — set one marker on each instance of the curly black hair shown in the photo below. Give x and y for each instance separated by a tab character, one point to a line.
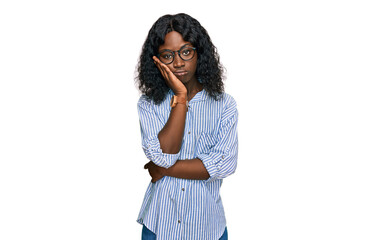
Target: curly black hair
209	70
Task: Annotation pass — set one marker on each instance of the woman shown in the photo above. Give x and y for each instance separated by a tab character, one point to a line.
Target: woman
189	132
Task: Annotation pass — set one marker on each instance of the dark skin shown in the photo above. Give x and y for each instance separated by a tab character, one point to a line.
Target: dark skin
180	77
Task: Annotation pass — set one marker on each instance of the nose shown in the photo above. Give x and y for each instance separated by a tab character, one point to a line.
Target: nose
178	62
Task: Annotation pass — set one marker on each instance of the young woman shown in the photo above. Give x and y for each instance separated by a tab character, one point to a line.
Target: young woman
189	132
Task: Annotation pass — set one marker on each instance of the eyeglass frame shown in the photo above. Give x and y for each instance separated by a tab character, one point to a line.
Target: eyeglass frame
178	51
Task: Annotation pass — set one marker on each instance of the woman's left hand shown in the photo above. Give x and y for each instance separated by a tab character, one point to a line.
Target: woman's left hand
155	171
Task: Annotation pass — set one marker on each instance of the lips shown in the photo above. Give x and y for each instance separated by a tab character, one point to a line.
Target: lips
180	73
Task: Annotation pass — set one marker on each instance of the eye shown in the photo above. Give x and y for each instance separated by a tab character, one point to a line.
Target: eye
186	52
167	56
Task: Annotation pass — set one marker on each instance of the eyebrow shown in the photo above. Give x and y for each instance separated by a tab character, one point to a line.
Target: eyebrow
176	50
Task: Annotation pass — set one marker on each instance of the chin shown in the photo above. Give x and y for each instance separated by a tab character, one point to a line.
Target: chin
184	80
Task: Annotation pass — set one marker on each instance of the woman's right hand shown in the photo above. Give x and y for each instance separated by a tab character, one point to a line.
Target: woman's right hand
171	80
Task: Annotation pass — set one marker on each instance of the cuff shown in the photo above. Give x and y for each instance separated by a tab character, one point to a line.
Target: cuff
210	162
154	153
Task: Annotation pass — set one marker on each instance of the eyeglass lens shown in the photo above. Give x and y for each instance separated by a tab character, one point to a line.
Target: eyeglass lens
186	54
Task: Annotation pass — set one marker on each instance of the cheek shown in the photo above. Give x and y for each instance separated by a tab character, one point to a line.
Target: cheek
193	65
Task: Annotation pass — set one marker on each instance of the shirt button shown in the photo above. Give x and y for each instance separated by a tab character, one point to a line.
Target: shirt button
178	221
189	132
182	189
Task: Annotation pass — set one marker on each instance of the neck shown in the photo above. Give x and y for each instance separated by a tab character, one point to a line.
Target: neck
193	87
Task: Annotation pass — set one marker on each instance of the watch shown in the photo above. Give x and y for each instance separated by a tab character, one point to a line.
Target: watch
175	100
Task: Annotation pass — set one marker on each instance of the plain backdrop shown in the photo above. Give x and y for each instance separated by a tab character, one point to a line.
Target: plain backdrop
71	163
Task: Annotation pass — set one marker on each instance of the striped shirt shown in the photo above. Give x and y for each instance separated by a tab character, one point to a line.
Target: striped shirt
183	209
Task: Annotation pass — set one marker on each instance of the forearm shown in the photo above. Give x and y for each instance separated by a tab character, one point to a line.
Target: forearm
188	169
171	135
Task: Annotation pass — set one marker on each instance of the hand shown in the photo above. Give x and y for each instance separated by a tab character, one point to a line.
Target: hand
155	171
171	80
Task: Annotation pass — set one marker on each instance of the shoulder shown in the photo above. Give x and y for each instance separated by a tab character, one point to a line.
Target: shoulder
227	107
148	104
229	101
145	103
225	101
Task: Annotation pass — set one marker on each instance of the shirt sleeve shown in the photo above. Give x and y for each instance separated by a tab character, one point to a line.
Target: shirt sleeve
150	126
220	154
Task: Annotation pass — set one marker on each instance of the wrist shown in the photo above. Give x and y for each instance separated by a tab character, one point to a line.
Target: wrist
176	100
168	171
182	95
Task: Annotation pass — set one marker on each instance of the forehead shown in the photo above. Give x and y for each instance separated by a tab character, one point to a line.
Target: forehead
173	41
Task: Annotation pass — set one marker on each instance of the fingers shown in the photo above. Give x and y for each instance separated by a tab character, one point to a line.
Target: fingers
153	171
165	71
158	64
155	58
147	165
162	71
155	179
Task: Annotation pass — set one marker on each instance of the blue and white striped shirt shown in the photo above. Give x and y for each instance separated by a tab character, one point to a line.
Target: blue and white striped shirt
175	208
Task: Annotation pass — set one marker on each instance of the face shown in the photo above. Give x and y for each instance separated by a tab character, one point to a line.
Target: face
183	70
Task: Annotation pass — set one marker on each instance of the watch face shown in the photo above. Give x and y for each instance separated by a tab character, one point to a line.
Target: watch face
172	102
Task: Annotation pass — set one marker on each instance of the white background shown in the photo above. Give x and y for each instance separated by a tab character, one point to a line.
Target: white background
71	161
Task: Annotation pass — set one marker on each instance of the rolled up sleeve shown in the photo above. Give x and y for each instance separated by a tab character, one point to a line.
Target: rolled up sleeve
220	154
150	126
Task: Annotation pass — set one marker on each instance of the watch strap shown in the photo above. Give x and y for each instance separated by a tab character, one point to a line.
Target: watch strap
175	100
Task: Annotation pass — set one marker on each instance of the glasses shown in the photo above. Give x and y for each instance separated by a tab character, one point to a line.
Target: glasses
185	53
